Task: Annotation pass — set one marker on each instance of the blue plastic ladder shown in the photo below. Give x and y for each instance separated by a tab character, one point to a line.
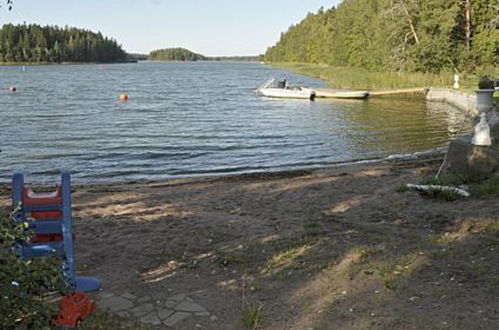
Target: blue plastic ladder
63	248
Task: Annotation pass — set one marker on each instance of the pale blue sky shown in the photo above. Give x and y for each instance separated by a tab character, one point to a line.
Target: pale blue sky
210	27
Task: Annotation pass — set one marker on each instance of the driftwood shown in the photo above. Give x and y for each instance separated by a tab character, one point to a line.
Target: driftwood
425	188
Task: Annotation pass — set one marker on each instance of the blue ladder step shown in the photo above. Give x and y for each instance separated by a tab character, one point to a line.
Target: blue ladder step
43	207
33	250
87	284
47	226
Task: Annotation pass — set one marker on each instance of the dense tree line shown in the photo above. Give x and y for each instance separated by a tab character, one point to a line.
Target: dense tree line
34	43
175	54
237	58
396	35
136	57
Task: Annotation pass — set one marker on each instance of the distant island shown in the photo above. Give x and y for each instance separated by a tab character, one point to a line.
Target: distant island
175	54
51	44
136	57
182	54
257	58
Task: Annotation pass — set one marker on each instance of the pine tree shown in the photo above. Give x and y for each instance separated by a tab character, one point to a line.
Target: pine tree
33	43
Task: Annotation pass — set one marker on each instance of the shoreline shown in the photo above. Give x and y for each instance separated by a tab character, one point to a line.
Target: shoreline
434	153
9	64
335	246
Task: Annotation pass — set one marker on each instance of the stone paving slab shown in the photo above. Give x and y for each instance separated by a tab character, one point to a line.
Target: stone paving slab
163	314
186	306
151	318
169	311
142	309
116	304
128	295
176	318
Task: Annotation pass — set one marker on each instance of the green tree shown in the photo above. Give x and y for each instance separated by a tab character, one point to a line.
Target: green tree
34	43
395	35
175	54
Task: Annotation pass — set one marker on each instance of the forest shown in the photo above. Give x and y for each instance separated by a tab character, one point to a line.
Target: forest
44	44
175	54
396	35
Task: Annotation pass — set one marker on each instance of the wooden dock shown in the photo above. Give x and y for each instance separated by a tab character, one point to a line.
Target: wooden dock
325	92
398	92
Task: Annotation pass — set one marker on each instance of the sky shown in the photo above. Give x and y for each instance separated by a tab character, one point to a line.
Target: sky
208	27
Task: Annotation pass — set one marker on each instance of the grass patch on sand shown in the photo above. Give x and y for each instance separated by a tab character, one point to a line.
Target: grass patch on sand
394	270
489	187
252	314
287	259
107	321
443	195
402	188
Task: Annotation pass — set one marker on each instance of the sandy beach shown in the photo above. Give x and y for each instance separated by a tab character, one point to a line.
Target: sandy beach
333	248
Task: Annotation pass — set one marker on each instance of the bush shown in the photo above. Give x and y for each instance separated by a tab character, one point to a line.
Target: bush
24	284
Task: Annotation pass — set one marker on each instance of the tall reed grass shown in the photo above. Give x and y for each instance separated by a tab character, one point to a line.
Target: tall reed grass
355	78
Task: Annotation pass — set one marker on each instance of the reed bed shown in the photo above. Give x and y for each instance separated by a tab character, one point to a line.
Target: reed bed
356	78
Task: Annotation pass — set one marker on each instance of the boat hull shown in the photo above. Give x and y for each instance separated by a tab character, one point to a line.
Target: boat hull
342	94
288	93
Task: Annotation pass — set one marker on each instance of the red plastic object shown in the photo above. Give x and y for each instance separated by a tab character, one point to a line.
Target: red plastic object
44	238
40	215
32	198
73	308
51	198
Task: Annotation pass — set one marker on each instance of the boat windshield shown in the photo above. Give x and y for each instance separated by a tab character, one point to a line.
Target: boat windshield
278	84
274	83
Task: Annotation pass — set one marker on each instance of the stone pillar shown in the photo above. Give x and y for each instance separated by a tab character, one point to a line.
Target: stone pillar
470	162
474	162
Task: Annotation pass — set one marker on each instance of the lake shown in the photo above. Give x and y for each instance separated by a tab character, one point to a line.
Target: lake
193	119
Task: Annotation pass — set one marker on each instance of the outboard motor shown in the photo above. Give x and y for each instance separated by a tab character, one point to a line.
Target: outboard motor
313	95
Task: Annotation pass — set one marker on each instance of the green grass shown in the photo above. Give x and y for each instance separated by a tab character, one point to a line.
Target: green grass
252	314
107	321
443	195
449	180
488	187
355	78
402	188
396	269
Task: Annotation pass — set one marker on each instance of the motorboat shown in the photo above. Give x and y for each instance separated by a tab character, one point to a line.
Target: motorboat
280	89
341	94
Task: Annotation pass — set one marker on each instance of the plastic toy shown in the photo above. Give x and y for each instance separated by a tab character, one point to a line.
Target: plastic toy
73	308
52	226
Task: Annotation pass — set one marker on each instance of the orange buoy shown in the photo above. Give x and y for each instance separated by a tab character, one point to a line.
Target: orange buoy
12	88
123	97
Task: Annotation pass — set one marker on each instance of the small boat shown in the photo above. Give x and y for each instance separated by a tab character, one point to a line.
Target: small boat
339	94
280	89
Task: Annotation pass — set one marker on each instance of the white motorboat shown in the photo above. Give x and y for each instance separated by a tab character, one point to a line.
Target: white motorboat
341	94
280	89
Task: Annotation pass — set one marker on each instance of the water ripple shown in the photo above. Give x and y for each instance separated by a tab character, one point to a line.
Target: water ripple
192	119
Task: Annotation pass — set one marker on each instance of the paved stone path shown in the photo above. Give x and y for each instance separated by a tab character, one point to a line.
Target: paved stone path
169	311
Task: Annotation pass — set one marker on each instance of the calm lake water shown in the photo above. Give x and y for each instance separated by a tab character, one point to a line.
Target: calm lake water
190	119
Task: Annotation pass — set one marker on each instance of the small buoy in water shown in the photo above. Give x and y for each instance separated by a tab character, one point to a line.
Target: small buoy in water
123	97
12	88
